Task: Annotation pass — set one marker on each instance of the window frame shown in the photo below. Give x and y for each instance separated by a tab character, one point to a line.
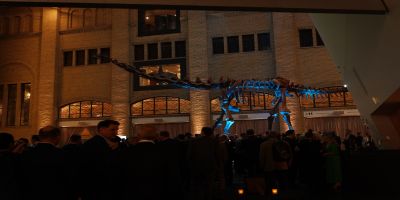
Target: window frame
179	50
259	41
250	104
331	101
252	44
104	60
233	44
179	113
92	102
65	57
139	52
215	43
166	50
82	59
181	61
22	103
302	44
141	24
15	107
88	59
150	55
2	103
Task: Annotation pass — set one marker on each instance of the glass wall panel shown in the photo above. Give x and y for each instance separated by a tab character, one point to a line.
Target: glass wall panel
86	110
25	103
11	104
75	110
1	104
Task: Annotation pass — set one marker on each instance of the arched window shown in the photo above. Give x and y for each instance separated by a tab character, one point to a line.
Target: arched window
27	24
17	24
160	106
250	101
339	99
88	18
86	109
75	19
6	26
1	25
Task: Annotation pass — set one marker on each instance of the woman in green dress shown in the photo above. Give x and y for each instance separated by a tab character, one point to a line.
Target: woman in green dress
333	168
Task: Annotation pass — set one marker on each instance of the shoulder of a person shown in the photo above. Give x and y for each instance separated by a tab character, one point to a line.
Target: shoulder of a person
95	140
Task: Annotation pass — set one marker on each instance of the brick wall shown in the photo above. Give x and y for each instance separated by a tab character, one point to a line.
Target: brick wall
120	87
19	63
242	65
198	67
47	71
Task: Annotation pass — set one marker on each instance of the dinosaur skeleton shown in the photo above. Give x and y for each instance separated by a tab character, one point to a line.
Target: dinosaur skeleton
230	89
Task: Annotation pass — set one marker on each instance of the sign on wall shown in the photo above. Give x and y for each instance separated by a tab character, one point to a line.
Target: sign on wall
342	6
331	113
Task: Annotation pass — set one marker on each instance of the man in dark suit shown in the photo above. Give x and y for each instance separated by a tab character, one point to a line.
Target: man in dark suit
73	154
148	173
8	186
97	156
203	160
43	168
174	152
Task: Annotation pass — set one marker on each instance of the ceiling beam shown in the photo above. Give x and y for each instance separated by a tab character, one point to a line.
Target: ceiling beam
310	6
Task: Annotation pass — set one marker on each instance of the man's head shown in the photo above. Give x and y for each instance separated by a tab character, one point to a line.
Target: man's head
275	135
75	139
50	134
249	132
108	128
163	135
35	139
6	141
207	131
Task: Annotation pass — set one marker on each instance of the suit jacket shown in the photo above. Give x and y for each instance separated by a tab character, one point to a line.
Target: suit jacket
96	163
73	153
8	174
203	158
147	173
266	157
43	173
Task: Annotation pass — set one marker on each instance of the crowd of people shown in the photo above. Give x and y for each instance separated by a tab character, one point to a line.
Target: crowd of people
153	166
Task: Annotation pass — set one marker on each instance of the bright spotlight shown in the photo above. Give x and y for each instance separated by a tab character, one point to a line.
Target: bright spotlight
274	191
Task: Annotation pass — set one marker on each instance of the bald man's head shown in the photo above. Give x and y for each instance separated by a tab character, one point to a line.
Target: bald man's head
50	134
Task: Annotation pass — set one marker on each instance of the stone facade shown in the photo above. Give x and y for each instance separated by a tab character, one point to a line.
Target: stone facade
37	57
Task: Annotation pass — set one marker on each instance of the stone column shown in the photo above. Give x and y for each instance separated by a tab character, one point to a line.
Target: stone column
285	39
120	89
198	67
47	70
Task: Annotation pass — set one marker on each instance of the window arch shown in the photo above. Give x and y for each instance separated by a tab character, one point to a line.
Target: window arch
160	106
27	24
5	26
339	99
86	109
75	19
17	24
2	25
88	18
250	101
